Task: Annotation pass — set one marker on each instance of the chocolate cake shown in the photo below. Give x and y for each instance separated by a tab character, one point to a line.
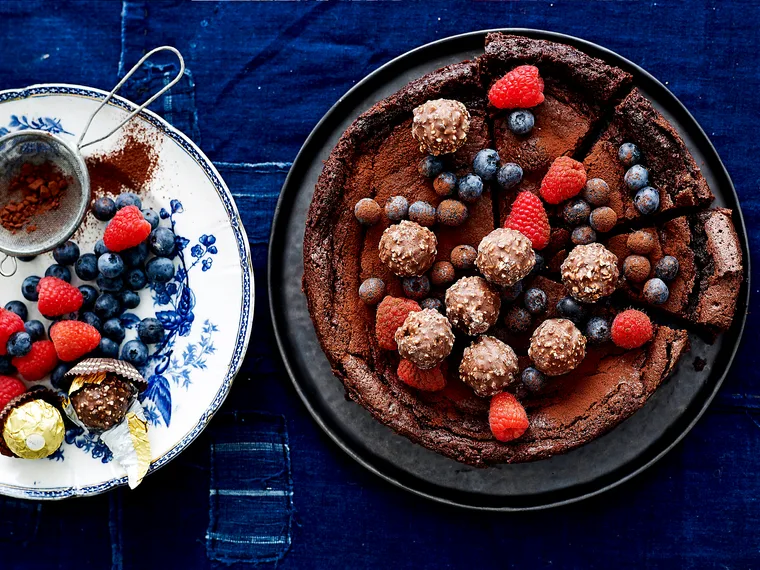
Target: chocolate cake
379	158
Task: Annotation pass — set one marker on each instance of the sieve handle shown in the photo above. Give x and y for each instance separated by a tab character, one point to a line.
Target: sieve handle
14	265
131	72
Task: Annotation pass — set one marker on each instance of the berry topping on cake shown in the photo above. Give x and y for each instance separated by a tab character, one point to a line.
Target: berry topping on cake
629	154
472	305
590	272
647	201
631	329
598	330
391	314
528	217
440	126
636	268
368	212
451	213
417	287
636	177
432	303
575	212
565	179
521	122
126	229
486	164
583	235
488	366
505	256
596	192
509	175
10	323
38	363
520	88
442	273
533	379
57	297
535	301
396	208
507	417
10	388
470	188
425	338
430	166
445	184
73	339
463	257
422	213
408	249
572	310
656	291
426	380
518	319
512	292
372	291
640	242
667	268
557	347
603	219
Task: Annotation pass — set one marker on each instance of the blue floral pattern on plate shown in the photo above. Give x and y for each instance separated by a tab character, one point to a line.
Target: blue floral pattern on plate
22	123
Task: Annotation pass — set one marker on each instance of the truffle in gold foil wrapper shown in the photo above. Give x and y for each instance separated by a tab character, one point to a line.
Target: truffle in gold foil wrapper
33	430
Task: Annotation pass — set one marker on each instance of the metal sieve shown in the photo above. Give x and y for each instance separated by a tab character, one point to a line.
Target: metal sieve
55	226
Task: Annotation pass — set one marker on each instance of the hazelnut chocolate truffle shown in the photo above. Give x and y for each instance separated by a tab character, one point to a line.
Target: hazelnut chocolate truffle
472	305
102	406
505	256
425	338
440	126
32	425
557	347
408	249
590	272
488	366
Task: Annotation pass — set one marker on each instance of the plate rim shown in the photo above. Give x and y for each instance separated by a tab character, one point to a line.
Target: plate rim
245	325
582	44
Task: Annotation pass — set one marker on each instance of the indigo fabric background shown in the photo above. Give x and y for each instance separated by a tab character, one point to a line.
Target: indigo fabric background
262	486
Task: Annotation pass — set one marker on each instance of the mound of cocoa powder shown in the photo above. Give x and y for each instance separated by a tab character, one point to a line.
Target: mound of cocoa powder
39	188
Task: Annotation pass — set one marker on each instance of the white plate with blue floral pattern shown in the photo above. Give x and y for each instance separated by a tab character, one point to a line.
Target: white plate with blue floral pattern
207	309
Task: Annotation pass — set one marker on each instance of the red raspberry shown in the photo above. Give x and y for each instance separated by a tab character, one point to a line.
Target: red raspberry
391	314
74	339
9	323
565	179
38	363
631	329
10	388
507	417
57	297
529	218
128	228
520	88
428	380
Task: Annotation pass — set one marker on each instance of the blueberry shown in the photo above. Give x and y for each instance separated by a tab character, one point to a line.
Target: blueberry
107	306
509	176
108	348
57	377
114	330
432	303
647	200
135	279
19	344
59	271
636	177
86	267
135	352
655	291
150	331
533	379
129	299
521	121
598	330
110	265
583	235
416	287
29	288
110	285
430	166
470	187
422	213
160	270
103	208
539	265
629	154
66	253
128	199
6	366
667	268
512	292
135	256
396	209
518	319
92	319
35	329
26	258
535	300
100	248
486	163
576	212
571	309
150	215
89	294
19	308
445	183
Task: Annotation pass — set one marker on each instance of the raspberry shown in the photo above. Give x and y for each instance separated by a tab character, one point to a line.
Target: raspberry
631	329
128	228
520	88
565	179
10	388
529	218
57	297
507	417
391	314
9	323
428	380
74	339
38	363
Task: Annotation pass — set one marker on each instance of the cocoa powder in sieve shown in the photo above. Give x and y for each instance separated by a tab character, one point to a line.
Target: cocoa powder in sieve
40	188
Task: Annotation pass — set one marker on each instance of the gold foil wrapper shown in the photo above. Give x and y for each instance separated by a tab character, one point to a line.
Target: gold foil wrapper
138	429
34	430
128	441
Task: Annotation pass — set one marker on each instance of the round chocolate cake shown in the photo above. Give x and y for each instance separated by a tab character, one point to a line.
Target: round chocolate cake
497	240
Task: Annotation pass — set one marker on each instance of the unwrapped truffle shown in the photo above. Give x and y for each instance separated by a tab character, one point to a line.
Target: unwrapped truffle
102	406
505	256
488	366
557	347
590	272
425	338
472	305
408	249
440	126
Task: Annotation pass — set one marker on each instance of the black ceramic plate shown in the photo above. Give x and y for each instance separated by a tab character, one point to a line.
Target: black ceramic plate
605	462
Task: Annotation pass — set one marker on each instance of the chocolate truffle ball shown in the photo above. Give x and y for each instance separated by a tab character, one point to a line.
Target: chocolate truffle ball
472	305
425	338
440	126
603	219
640	242
442	273
102	406
636	268
505	256
557	347
590	272
368	212
488	366
408	249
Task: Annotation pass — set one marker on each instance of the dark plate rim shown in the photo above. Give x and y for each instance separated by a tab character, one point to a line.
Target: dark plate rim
638	73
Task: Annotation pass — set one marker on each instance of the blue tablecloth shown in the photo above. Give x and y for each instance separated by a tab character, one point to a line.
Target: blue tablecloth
260	76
